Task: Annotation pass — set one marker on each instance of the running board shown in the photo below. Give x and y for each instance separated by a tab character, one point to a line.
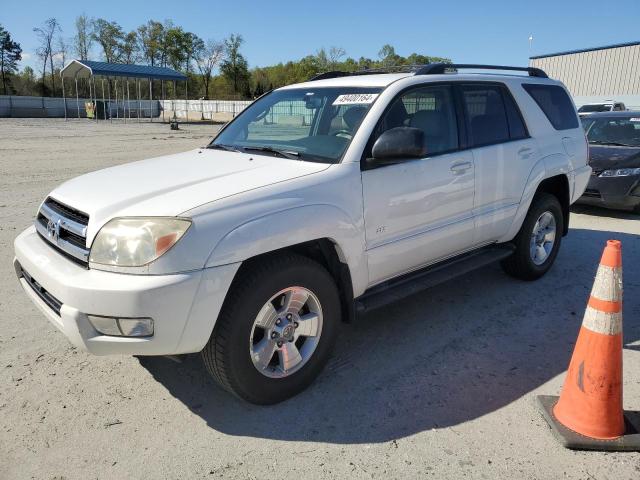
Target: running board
414	282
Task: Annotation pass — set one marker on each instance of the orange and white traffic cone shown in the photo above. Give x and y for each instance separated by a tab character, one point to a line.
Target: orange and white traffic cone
588	414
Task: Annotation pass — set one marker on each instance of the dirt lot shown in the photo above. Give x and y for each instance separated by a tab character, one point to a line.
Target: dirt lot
440	386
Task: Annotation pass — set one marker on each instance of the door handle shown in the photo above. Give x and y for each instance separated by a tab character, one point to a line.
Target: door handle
459	168
525	152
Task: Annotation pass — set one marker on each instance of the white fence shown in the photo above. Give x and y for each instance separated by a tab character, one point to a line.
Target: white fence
216	110
194	110
53	107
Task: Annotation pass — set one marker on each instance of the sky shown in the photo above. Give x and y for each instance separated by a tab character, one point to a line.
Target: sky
480	31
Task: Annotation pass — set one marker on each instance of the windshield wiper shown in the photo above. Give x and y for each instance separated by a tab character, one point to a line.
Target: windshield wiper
290	154
615	144
220	146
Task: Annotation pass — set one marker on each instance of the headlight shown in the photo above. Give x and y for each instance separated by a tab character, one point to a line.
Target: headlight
620	172
134	242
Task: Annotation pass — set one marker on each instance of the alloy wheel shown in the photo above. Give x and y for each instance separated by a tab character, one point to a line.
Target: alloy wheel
286	332
543	238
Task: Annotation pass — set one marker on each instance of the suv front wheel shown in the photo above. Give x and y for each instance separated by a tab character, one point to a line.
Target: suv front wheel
276	329
538	240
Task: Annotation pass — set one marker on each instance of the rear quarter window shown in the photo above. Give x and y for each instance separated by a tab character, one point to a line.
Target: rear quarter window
517	129
555	103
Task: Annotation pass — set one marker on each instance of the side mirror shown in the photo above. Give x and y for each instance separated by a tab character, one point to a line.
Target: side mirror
397	144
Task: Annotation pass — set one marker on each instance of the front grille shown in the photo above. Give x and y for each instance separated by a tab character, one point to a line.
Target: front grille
68	212
65	229
44	295
77	240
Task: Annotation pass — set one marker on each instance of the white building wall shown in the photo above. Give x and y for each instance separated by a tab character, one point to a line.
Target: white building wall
597	75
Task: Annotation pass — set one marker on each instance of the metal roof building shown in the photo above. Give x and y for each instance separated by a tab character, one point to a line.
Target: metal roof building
118	78
86	68
610	72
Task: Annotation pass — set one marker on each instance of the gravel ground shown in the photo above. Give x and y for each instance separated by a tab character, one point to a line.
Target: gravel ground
439	386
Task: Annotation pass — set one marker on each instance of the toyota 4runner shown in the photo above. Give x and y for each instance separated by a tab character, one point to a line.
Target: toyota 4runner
320	201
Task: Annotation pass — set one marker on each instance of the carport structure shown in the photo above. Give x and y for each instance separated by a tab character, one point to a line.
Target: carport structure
89	70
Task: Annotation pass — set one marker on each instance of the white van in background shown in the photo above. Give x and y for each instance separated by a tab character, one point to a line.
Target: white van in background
606	106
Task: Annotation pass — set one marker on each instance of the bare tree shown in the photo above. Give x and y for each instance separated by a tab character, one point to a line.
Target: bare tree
62	51
329	60
46	34
207	57
43	55
83	40
335	54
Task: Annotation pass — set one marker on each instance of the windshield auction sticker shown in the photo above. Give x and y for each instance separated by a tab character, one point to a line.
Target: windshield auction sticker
355	99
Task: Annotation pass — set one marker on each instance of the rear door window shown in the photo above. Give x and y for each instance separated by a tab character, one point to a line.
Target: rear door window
485	114
555	103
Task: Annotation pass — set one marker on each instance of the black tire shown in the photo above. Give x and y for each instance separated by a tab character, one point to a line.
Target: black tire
521	264
227	355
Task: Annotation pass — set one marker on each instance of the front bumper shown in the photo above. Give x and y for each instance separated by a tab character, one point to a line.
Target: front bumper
184	306
612	192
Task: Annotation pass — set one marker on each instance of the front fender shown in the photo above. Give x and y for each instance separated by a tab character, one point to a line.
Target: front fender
293	226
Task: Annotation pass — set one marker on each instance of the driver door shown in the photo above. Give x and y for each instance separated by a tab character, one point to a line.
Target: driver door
419	211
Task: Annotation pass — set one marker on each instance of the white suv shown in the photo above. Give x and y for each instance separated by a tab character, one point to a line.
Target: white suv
320	201
607	106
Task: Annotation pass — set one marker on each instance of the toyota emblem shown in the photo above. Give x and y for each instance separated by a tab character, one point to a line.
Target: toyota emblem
52	230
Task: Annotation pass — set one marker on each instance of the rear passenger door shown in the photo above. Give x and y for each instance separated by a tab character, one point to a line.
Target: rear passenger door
503	156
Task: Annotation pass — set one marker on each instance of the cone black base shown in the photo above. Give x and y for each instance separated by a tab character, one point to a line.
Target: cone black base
630	441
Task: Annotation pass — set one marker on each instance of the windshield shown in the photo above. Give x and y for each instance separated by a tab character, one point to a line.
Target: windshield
623	131
313	124
601	107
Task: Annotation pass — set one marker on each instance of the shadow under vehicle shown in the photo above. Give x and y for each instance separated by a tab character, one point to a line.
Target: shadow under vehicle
452	354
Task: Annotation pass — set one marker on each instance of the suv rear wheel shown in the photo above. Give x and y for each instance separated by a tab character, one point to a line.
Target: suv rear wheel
538	240
276	329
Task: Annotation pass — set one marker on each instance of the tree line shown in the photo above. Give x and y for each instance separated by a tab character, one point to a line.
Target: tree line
216	68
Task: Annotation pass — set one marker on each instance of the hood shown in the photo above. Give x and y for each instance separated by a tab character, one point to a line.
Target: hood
173	184
603	157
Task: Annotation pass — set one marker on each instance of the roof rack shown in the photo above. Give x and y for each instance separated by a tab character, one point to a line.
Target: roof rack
429	69
437	68
368	71
332	74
